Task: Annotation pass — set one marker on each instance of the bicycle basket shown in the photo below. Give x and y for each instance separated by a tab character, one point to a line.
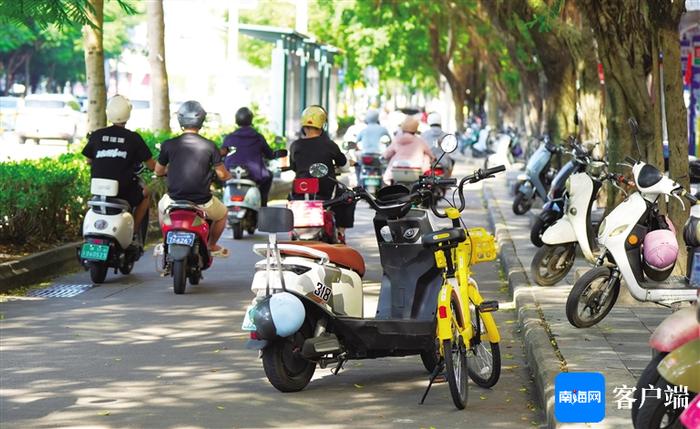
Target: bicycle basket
483	245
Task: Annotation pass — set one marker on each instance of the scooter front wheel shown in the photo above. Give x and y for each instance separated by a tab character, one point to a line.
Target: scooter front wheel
98	272
179	276
521	204
284	366
586	306
552	263
649	377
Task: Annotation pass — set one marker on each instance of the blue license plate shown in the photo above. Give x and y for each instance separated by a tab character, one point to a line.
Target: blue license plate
179	237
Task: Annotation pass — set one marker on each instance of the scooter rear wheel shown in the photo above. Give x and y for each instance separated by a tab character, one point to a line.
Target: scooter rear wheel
237	231
552	263
179	276
583	308
126	267
654	413
98	272
284	366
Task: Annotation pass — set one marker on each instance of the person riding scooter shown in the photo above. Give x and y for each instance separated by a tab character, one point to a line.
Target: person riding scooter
248	148
115	153
408	148
316	147
188	161
433	136
370	141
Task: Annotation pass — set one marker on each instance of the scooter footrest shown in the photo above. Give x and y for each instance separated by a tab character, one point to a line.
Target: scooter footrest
488	306
321	345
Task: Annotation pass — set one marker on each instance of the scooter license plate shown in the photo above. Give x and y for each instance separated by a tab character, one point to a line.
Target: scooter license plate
371	181
94	252
179	237
248	324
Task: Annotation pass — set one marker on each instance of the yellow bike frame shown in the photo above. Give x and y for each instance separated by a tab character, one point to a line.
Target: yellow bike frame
465	292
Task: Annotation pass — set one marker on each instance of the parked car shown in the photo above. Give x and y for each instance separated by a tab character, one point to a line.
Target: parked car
49	116
9	107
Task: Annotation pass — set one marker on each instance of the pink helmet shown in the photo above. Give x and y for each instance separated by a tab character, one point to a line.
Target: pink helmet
660	253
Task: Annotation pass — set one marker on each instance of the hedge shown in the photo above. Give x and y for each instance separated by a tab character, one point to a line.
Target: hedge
44	200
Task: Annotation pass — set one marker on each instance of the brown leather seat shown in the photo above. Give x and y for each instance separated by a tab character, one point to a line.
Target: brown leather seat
339	254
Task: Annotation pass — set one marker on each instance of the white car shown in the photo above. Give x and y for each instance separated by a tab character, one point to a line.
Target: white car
50	116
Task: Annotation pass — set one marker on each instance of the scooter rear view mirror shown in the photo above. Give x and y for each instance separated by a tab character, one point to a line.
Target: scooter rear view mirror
318	170
448	143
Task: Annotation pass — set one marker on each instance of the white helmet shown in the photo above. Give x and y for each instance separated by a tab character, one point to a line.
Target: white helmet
434	119
118	109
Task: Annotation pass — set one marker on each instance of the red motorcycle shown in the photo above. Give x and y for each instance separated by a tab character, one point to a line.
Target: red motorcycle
186	251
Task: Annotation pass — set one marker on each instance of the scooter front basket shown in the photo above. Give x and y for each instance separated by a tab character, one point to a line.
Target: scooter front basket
483	245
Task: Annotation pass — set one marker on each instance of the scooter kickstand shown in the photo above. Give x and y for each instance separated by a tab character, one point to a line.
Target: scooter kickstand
438	369
339	366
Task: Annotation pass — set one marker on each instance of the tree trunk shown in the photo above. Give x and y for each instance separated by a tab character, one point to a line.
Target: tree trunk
160	100
95	67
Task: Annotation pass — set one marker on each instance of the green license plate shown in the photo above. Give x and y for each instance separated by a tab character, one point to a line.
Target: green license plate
248	324
94	252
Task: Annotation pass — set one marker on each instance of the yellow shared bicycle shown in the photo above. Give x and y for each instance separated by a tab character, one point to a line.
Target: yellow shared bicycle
466	335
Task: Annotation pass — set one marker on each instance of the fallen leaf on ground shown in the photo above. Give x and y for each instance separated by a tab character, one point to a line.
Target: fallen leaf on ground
359	386
104	413
482	397
220	407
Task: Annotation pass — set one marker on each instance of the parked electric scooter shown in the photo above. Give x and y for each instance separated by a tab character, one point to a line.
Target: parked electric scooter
186	251
537	177
108	232
553	209
555	258
674	332
309	306
621	236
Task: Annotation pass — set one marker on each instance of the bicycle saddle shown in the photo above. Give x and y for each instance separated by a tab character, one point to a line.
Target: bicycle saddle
448	237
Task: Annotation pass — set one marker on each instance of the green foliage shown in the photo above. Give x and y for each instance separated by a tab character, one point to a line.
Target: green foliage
45	12
42	200
276	13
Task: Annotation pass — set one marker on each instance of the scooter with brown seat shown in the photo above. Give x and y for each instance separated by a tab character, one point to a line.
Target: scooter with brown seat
309	305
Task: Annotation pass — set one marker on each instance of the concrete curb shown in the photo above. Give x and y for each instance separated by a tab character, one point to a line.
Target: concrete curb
541	353
39	266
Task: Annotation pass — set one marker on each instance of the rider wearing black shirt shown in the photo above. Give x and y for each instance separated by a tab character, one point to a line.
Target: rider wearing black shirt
316	147
190	162
115	153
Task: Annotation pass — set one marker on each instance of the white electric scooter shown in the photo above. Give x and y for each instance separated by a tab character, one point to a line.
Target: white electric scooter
242	198
554	259
108	232
621	236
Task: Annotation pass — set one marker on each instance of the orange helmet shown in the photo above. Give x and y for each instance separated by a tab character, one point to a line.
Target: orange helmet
409	125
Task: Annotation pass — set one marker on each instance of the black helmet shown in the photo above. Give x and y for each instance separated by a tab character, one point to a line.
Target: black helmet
244	117
191	115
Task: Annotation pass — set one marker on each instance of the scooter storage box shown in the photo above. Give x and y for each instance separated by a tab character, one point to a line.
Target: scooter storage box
405	174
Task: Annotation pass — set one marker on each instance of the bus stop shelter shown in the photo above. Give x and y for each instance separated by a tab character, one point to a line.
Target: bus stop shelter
303	73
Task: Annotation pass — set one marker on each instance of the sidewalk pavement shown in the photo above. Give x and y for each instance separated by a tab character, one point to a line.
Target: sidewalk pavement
617	346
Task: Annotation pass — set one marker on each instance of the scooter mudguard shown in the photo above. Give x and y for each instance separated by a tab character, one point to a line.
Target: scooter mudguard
561	232
178	252
681	367
676	330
